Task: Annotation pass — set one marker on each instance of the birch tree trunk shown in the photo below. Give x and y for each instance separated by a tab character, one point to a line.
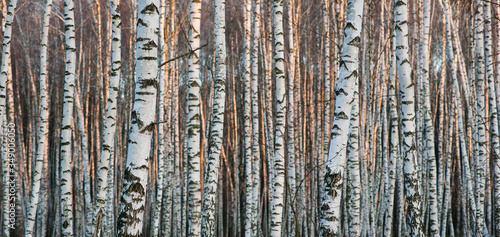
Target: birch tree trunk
208	222
247	115
255	121
277	199
106	159
480	117
162	152
333	176
394	151
427	120
67	122
493	94
43	132
407	95
354	180
135	183
194	123
497	157
326	138
291	122
4	72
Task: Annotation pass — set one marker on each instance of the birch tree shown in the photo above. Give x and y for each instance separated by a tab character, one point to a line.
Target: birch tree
43	132
216	135
133	200
394	151
67	122
106	162
247	115
277	199
492	93
194	123
333	176
407	96
291	122
480	117
427	120
162	152
255	120
497	157
4	72
354	182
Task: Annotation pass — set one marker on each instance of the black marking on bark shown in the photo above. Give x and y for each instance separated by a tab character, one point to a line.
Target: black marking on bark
148	82
150	9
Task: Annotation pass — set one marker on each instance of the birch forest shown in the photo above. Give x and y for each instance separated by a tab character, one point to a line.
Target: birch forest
274	118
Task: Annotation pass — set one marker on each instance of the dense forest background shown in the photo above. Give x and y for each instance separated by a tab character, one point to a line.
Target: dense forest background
259	118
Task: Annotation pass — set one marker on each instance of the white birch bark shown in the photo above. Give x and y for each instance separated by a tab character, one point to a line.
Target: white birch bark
277	198
247	119
407	95
4	72
326	138
43	132
394	151
208	223
194	123
427	122
135	183
492	93
480	117
334	169
497	159
255	120
291	122
162	152
67	122
106	159
354	181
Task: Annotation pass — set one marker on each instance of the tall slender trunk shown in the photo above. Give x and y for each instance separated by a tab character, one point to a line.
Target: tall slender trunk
135	183
327	69
67	122
4	72
480	117
497	157
255	121
162	152
194	123
291	122
216	134
247	118
277	198
492	93
394	151
333	176
106	159
407	95
427	122
354	180
43	132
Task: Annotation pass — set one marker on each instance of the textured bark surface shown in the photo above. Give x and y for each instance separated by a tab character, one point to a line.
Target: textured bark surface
333	176
407	96
481	144
194	123
277	195
106	165
43	132
247	118
67	123
208	223
135	180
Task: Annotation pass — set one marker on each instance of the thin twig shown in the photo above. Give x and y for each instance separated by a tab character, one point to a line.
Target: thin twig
182	55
